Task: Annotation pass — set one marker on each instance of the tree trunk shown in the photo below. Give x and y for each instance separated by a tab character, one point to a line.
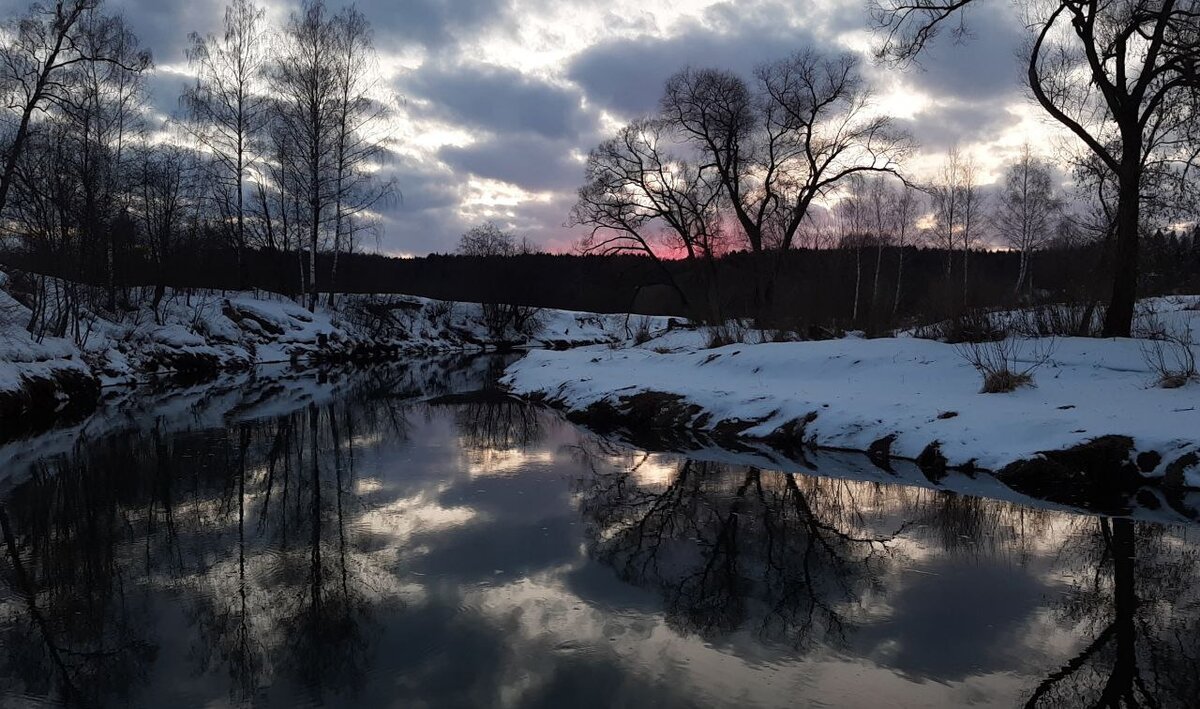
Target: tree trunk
1021	273
875	283
857	281
1118	321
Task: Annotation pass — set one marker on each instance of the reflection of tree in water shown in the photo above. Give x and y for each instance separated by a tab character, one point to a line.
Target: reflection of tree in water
729	546
975	526
497	422
1134	593
87	541
77	617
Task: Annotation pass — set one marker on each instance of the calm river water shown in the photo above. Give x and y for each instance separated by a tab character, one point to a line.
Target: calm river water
352	542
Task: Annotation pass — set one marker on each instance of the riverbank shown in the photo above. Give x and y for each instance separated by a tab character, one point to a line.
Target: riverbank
56	374
1094	414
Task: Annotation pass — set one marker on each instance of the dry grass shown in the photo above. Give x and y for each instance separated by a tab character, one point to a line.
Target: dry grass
1004	381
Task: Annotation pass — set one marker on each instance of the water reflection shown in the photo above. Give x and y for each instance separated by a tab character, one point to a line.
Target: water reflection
372	546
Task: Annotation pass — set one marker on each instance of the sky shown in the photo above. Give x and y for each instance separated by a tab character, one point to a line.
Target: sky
502	99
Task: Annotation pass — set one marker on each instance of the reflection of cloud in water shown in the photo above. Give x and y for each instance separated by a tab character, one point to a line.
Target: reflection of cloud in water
506	461
401	518
541	615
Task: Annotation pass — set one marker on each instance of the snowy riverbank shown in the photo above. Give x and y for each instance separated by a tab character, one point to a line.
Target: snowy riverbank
893	397
202	333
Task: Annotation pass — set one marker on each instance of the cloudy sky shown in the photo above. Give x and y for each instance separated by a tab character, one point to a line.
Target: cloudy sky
503	98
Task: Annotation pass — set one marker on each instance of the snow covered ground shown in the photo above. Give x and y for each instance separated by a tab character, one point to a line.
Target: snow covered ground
234	330
850	393
49	379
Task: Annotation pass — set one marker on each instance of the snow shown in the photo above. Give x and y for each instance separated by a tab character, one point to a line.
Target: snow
920	391
22	357
237	330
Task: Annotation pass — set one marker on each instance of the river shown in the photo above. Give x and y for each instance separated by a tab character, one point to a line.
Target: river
409	536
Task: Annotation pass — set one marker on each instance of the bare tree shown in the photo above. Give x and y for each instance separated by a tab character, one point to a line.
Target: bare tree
808	126
226	105
822	109
973	206
1121	76
41	47
503	320
357	133
905	215
164	199
305	79
488	239
881	206
956	203
852	214
715	109
106	112
1027	210
638	195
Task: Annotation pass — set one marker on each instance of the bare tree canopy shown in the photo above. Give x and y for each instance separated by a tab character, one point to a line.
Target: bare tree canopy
227	107
808	124
639	194
488	239
1027	210
326	130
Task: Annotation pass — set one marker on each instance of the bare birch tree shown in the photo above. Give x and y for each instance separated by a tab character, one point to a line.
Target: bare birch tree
956	202
906	214
1027	211
305	79
358	134
881	207
227	108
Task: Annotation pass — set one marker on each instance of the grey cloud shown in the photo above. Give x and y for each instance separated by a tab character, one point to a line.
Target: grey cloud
627	75
528	161
983	65
435	24
941	128
526	127
498	100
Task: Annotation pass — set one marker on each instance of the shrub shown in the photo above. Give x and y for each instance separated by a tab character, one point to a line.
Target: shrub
1006	364
1061	320
970	326
1004	381
726	333
504	320
1170	355
641	331
440	312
